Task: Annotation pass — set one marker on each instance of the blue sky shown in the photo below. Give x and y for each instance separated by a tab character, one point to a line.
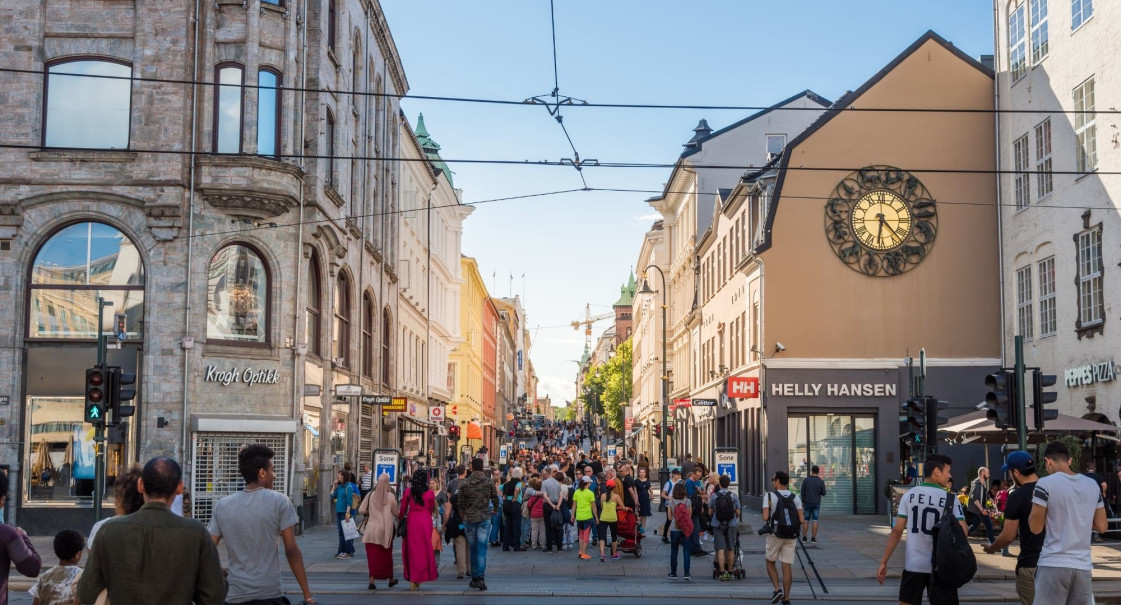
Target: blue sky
578	248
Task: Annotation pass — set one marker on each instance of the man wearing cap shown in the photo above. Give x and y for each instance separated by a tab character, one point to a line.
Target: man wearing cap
1016	512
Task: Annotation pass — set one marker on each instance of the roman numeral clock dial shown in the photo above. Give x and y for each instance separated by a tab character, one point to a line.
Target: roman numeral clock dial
881	221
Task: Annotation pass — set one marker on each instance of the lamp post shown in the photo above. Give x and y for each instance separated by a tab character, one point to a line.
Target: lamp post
663	472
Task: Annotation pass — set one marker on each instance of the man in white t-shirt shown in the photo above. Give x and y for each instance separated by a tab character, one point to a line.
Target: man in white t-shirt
919	511
1068	505
780	547
252	521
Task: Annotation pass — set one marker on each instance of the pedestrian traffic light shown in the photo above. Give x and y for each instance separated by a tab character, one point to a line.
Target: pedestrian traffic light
1040	381
121	391
915	411
669	430
933	420
1000	401
657	431
95	395
453	432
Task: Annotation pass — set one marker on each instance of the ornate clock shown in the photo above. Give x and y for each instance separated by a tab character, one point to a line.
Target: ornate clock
881	221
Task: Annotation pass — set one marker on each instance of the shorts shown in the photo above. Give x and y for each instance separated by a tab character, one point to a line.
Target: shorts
585	524
780	549
913	583
606	526
723	537
1025	584
811	512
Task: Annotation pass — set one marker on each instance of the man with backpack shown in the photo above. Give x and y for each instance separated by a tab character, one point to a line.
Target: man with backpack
813	490
725	508
920	510
782	513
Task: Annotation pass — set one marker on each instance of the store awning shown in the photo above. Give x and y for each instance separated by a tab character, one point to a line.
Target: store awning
474	431
635	432
975	426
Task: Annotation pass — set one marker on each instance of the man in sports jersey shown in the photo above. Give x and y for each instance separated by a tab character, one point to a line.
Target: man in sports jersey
919	511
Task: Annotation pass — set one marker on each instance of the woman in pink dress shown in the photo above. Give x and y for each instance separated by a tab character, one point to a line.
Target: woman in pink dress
417	507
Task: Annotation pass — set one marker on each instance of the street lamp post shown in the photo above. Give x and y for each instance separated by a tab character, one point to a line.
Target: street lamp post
663	472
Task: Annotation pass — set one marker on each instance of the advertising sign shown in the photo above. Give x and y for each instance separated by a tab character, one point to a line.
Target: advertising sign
727	463
435	413
680	403
743	388
628	424
704	403
503	450
376	400
386	462
396	404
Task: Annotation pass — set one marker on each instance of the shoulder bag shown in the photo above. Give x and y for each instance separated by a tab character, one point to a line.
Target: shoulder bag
402	521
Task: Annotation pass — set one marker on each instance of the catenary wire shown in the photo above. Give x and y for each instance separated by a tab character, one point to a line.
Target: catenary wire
523	103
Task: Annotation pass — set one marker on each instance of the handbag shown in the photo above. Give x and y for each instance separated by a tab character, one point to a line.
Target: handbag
350	530
402	522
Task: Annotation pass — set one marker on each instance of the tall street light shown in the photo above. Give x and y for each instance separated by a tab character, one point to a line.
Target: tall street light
663	472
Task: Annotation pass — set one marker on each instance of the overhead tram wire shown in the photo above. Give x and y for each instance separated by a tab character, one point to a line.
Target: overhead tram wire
582	104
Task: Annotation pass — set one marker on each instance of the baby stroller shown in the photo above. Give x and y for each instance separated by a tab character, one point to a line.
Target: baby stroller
630	541
737	561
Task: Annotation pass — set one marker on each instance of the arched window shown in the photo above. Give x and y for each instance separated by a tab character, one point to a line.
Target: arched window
237	296
227	108
87	112
268	112
340	343
314	300
75	266
368	319
386	334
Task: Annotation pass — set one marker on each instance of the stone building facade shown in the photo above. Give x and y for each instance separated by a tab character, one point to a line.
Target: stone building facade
210	175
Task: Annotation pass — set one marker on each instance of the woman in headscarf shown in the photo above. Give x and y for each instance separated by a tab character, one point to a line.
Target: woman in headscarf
380	508
417	507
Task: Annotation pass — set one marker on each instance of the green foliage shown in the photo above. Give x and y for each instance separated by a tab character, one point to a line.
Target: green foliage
1074	446
607	387
564	414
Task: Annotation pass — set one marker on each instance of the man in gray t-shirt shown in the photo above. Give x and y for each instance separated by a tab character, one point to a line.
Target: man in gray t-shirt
813	490
252	521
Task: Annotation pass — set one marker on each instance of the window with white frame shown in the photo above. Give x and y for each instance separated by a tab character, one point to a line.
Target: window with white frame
1021	156
1047	319
1085	128
775	143
1038	30
1090	299
1080	11
1017	43
1023	302
1043	183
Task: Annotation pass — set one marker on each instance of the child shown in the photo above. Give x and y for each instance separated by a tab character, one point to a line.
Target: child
59	585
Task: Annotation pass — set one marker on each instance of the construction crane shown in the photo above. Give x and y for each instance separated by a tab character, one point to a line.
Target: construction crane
587	323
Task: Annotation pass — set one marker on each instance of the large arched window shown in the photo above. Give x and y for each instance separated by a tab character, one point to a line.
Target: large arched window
75	266
386	334
87	103
314	298
368	319
340	343
237	296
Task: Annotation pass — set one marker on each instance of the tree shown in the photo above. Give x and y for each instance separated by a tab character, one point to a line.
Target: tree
607	387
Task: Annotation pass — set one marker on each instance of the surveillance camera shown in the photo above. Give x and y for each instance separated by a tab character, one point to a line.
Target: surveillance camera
779	347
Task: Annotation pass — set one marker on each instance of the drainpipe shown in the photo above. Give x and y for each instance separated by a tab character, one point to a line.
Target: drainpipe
759	340
999	197
185	418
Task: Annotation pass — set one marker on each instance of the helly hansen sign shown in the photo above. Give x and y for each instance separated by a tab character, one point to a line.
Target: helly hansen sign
743	388
833	390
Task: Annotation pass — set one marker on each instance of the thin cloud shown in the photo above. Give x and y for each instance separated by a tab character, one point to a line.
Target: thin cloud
648	218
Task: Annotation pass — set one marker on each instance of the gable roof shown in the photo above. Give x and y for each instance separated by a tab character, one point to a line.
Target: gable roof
846	100
698	142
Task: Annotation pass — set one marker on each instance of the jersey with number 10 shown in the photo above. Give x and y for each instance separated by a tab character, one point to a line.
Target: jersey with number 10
921	507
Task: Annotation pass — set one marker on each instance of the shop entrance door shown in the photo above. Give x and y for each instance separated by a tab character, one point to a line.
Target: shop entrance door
844	449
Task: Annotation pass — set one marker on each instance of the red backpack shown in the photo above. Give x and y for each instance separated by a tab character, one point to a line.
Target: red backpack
683	519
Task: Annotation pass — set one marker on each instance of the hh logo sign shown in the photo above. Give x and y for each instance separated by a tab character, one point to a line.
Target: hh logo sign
743	388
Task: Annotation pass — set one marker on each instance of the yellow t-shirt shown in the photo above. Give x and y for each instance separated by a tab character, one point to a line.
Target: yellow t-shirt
584	500
608	515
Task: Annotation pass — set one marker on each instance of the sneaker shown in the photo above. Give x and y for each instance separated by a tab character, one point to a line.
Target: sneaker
616	556
548	550
344	556
586	557
724	577
776	597
687	578
672	576
813	540
482	585
474	583
665	540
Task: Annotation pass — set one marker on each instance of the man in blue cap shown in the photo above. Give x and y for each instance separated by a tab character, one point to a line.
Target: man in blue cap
1016	512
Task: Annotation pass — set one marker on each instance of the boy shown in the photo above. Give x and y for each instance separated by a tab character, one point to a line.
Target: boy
59	585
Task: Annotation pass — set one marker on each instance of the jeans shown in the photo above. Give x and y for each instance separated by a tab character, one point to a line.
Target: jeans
525	530
695	539
512	529
477	534
977	520
677	540
345	546
496	527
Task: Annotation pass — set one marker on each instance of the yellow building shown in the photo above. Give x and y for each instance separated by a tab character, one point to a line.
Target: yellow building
466	359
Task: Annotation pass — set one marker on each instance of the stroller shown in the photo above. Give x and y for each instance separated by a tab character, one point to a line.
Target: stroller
737	562
630	540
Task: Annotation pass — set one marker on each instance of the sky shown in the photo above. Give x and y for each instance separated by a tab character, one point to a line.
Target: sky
578	248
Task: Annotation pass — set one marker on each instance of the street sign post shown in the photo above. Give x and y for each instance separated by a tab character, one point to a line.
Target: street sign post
728	463
503	452
612	450
387	461
348	390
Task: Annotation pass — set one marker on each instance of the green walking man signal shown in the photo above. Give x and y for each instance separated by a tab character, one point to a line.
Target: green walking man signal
96	398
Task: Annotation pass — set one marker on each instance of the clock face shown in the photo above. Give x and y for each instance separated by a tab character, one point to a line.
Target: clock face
881	221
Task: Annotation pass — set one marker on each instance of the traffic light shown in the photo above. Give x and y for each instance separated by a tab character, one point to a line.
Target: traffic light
915	410
453	432
95	395
1040	381
658	431
121	390
1000	401
669	430
933	420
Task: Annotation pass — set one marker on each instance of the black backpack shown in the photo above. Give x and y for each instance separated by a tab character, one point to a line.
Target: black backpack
724	507
952	560
784	519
